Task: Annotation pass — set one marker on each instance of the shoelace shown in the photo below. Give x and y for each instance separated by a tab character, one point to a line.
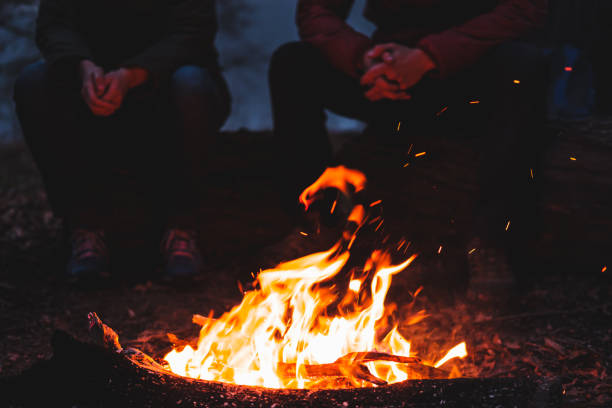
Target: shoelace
179	243
88	244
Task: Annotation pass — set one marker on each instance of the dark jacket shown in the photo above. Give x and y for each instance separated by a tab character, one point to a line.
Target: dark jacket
158	35
455	33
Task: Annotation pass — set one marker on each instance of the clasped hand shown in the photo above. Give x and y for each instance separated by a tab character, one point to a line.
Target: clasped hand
102	92
392	69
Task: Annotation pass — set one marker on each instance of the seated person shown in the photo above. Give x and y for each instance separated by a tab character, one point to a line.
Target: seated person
425	57
121	113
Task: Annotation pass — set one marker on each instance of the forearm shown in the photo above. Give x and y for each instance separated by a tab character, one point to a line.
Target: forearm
463	45
322	23
135	76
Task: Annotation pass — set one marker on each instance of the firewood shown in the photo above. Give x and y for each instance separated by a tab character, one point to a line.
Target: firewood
81	374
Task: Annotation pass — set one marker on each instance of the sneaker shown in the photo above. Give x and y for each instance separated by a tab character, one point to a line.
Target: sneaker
89	254
181	254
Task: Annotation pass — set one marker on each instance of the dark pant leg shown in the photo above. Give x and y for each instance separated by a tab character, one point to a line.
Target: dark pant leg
302	86
513	139
199	105
61	134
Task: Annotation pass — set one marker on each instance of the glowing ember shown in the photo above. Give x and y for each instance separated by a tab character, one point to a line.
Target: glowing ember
313	322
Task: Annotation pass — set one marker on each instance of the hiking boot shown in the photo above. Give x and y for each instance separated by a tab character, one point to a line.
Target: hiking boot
181	254
89	256
490	272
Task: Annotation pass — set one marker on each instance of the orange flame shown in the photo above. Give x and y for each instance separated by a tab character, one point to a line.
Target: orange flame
339	177
311	311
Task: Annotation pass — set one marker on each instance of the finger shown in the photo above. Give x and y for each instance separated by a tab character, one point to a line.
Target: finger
396	96
92	100
112	93
376	71
97	77
380	86
373	94
385	85
378	50
104	112
100	83
388	57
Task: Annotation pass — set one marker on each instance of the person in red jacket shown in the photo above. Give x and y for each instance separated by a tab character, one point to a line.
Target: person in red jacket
425	57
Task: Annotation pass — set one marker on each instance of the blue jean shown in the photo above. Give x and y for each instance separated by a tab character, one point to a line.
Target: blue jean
150	154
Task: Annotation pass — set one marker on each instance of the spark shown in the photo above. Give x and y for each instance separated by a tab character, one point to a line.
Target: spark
605	268
410	148
375	203
399	124
572	158
474	102
333	206
440	250
531	172
420	154
401	244
407	246
374	220
303	233
442	111
379	225
516	81
350	245
569	69
508	226
472	251
407	164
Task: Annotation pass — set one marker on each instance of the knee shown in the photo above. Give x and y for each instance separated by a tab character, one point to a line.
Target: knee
292	58
191	80
30	83
196	90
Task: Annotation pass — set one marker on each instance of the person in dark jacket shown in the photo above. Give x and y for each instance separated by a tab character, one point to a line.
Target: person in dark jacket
426	57
121	114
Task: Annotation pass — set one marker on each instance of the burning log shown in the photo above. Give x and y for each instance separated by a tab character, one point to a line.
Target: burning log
106	375
81	374
349	367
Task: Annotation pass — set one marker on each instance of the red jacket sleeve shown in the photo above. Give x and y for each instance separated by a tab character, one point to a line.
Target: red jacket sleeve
322	23
461	46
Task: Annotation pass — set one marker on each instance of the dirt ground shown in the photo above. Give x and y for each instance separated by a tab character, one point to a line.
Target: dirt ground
556	324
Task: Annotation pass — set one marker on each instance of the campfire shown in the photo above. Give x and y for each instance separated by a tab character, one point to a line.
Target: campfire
315	322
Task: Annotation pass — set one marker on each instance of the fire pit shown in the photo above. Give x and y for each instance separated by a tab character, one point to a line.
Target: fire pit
315	331
84	375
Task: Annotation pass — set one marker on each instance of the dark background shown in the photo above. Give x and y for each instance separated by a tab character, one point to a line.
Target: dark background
557	324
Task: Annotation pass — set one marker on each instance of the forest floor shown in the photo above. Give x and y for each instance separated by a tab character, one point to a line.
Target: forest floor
556	324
